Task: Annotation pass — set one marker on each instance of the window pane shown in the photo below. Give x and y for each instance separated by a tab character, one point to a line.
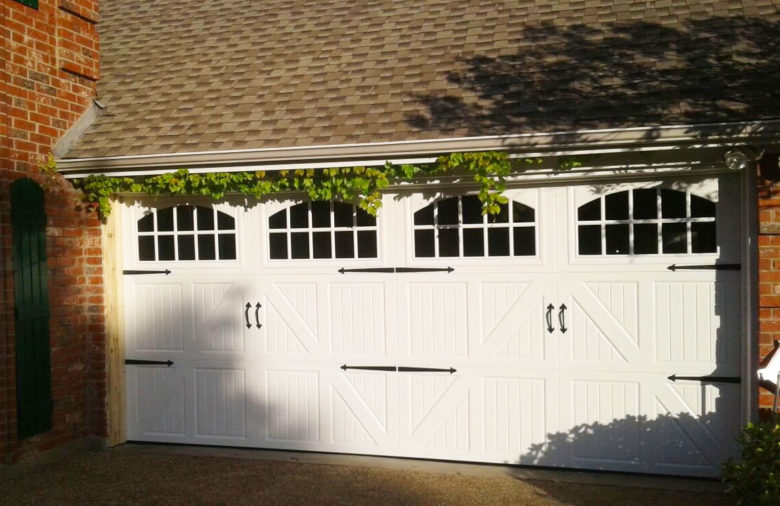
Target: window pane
146	248
448	211
589	237
321	245
674	238
522	213
278	246
702	208
299	245
186	247
367	244
342	214
225	221
473	242
205	218
472	210
345	245
448	242
165	219
165	248
146	224
616	206
617	239
278	220
364	219
525	241
645	204
320	217
590	211
498	242
672	204
703	238
424	216
646	239
227	246
502	216
299	217
423	243
185	218
206	247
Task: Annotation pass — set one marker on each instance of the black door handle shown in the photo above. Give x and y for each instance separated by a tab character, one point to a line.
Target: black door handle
562	317
257	318
246	315
548	318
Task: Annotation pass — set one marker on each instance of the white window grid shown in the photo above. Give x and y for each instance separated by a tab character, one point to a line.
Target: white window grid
485	226
310	230
659	220
215	232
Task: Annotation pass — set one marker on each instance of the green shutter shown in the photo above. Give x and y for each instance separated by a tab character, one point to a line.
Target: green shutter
31	298
29	3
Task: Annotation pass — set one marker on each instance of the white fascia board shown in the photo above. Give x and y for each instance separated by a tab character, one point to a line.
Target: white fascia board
571	143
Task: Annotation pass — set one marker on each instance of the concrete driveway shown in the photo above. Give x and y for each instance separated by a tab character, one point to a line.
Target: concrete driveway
157	474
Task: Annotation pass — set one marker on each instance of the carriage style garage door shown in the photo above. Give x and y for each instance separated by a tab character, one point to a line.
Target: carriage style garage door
545	335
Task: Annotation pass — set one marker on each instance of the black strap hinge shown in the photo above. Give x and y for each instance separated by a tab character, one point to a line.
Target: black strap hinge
148	362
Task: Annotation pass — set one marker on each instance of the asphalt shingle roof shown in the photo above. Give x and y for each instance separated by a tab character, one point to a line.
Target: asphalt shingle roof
188	75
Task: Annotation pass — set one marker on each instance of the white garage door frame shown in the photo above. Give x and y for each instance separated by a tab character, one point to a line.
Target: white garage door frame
747	252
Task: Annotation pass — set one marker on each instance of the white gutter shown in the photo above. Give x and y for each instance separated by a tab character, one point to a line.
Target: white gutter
580	142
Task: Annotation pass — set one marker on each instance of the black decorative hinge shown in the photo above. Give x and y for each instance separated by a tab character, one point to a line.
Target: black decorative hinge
148	362
390	368
707	379
713	267
399	270
426	369
133	272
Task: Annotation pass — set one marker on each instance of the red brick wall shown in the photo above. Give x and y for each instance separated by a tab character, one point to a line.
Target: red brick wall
768	274
48	69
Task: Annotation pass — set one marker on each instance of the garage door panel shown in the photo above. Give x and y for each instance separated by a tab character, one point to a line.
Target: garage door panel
595	333
686	323
286	329
512	324
220	403
621	300
217	311
284	333
645	424
606	423
358	318
436	319
157	319
156	403
516	416
292	403
360	405
693	425
433	406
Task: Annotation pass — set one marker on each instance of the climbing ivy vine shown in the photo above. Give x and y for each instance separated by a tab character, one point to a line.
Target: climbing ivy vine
352	184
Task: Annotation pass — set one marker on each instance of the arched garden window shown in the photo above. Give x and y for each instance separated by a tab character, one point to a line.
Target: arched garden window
646	222
186	233
456	227
322	230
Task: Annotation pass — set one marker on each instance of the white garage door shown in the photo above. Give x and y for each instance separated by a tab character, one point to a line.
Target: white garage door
544	336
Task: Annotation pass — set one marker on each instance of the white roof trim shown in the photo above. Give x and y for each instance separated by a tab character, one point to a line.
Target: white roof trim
413	151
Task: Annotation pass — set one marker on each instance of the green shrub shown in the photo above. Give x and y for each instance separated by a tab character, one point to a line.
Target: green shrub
756	479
